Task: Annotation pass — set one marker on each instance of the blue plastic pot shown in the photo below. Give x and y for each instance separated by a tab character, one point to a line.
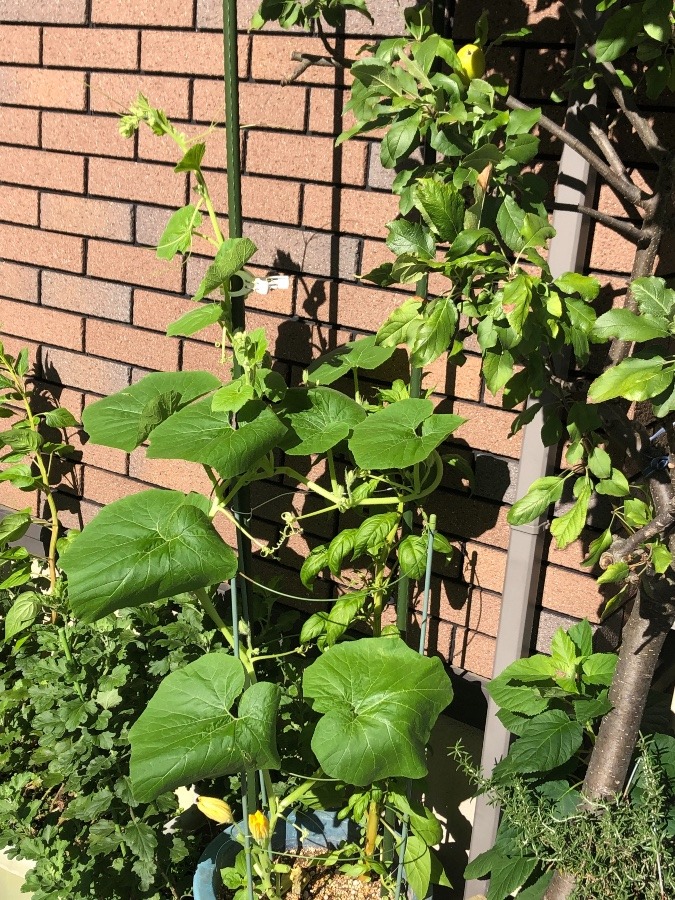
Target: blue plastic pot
324	830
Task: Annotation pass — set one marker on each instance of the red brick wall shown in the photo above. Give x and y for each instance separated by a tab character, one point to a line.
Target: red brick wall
80	209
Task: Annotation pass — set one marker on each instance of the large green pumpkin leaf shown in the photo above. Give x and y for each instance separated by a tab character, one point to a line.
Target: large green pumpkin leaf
391	438
318	419
122	420
362	354
380	701
189	729
199	434
143	548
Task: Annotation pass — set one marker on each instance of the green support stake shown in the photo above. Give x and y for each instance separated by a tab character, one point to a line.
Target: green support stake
403	591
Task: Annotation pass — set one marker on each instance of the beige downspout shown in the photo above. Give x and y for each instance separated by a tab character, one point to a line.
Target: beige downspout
575	187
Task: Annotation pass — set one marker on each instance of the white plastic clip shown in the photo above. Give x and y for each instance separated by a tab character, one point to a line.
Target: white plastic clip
273	283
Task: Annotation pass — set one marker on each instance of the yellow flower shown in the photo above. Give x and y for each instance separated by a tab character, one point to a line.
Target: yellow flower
215	809
472	60
259	826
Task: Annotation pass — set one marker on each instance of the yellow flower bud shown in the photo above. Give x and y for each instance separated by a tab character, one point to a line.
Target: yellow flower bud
259	826
472	60
215	809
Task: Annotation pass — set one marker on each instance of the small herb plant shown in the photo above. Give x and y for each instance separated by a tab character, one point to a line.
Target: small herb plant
623	846
375	700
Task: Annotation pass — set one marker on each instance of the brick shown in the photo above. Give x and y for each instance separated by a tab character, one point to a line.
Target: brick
131	265
611	252
13	498
107	458
18	205
19	282
131	345
90	48
106	487
189	53
53	88
37	324
84	134
147	182
389	19
100	376
82	215
348	211
19	126
210	13
112	92
609	202
177	13
57	12
269	199
151	147
326	110
108	300
571	593
309	158
487	429
41	248
175	474
297	250
19	44
272	106
456	381
43	168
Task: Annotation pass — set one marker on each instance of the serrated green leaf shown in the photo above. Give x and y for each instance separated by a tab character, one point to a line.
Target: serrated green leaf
14	526
599	668
618	33
435	332
190	731
653	297
441	206
564	653
627	326
410	237
397	328
400	138
547	741
177	235
581	635
568	527
617	571
231	397
510	875
574	283
536	501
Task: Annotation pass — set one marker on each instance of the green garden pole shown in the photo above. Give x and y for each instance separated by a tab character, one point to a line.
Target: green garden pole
403	591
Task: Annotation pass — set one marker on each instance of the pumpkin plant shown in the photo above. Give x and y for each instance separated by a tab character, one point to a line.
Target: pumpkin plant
217	715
